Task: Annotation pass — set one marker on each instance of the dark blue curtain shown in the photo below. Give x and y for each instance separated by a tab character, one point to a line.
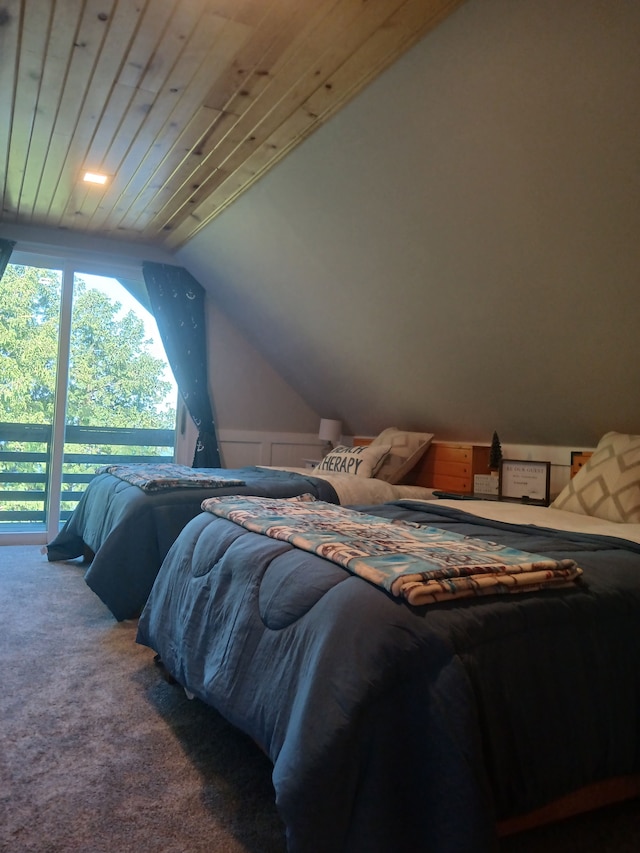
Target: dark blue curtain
6	247
177	302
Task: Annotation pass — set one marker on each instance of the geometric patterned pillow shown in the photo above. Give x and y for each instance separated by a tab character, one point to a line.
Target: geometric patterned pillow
363	461
608	485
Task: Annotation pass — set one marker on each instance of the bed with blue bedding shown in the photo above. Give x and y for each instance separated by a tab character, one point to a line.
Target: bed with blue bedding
396	727
125	529
130	515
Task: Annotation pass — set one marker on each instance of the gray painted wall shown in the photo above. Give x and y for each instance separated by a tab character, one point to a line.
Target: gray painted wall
247	392
457	250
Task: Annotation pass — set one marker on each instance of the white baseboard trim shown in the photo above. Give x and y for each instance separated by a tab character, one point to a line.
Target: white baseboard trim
287	449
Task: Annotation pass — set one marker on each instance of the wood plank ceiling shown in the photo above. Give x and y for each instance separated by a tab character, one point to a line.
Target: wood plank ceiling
183	104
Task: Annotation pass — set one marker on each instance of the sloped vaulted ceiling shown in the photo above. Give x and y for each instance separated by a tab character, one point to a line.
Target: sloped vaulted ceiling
182	104
457	249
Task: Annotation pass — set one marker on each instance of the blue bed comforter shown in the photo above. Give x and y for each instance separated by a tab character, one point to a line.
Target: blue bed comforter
128	531
399	729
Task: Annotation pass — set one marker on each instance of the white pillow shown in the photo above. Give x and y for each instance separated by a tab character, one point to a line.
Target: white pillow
363	461
608	484
407	448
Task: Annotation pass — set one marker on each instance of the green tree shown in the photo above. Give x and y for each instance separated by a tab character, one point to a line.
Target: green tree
29	309
114	380
495	453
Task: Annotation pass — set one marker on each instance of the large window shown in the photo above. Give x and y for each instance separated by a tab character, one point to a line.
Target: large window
84	381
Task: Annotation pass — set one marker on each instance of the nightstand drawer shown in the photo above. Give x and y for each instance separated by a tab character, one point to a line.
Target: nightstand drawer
452	484
451	453
447	468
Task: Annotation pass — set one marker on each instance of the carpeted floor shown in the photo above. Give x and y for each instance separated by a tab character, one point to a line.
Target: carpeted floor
99	754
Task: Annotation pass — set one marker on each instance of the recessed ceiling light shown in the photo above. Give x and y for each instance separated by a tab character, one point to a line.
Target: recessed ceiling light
93	178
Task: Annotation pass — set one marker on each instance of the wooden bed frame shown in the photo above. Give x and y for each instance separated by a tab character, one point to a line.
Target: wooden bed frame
595	796
591	797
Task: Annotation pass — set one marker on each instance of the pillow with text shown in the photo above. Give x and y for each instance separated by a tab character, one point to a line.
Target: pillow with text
361	461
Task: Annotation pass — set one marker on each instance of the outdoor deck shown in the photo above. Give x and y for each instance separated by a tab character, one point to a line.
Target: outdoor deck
25	466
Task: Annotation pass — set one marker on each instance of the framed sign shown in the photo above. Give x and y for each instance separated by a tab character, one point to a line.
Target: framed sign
525	481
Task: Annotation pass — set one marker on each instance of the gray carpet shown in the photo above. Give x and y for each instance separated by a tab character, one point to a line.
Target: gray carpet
99	754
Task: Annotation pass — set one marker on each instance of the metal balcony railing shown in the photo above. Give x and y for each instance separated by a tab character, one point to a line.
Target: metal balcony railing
25	463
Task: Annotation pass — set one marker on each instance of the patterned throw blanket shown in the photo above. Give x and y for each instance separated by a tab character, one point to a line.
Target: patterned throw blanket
152	477
421	564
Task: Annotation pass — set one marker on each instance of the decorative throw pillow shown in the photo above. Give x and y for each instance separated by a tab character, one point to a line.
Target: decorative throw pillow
407	448
361	461
608	484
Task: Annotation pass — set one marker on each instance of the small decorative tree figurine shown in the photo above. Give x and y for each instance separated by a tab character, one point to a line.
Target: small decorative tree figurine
495	453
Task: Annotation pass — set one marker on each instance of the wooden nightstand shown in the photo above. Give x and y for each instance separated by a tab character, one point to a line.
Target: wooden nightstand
311	463
451	467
